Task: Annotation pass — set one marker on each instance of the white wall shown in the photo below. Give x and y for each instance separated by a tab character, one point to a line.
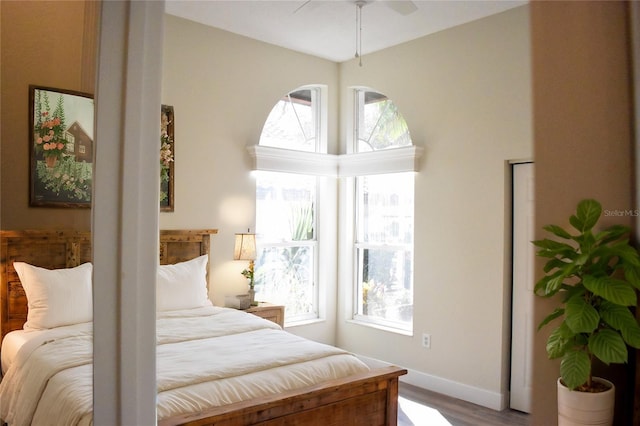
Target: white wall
465	93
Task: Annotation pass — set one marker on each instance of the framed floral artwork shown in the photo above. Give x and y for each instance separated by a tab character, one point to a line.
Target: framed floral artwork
167	157
60	147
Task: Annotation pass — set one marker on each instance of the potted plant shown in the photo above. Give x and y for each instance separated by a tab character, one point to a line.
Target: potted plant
596	275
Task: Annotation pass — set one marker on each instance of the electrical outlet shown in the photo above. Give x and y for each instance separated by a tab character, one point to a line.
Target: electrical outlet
426	341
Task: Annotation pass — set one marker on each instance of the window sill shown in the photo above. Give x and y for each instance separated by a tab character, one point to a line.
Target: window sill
303	322
382	327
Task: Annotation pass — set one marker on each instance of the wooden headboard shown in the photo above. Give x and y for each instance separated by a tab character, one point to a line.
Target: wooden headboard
65	249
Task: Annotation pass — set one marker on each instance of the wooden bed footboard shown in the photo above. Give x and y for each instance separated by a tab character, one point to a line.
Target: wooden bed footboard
366	399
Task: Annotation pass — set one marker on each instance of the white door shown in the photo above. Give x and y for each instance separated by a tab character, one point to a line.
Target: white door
522	327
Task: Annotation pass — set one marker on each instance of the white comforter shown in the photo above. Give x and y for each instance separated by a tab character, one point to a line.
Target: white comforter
205	358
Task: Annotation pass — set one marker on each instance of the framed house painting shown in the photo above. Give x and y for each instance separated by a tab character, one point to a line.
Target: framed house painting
60	147
167	157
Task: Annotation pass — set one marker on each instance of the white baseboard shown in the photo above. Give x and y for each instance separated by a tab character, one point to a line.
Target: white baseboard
494	400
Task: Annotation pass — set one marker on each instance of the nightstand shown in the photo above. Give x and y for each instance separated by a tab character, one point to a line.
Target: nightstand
269	312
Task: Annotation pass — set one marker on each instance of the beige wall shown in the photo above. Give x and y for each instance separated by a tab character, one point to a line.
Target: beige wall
465	93
222	87
582	133
35	51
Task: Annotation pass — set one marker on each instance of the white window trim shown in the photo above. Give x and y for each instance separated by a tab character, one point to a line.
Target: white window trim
405	159
366	321
270	159
396	160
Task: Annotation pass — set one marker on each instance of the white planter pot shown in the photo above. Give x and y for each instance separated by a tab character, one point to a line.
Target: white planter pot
585	408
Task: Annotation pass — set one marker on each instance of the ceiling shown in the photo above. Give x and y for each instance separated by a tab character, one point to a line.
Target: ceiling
327	28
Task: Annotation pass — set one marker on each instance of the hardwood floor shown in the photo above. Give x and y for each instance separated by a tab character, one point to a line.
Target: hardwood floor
440	410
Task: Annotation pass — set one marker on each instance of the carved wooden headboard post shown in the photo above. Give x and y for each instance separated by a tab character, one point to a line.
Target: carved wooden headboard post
55	249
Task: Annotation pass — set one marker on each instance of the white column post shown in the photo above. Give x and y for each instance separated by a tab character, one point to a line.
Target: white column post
125	211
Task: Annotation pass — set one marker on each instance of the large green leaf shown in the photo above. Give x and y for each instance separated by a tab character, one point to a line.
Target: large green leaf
581	259
602	260
555	263
587	242
621	318
627	253
554	249
631	334
557	231
581	317
632	275
576	222
573	291
611	289
558	341
568	253
608	346
549	284
587	214
554	284
558	312
551	248
575	368
541	285
612	233
616	316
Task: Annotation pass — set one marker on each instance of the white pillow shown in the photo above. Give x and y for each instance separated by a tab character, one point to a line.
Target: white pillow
182	285
56	297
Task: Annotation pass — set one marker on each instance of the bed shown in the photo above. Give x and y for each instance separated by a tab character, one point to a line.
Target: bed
295	382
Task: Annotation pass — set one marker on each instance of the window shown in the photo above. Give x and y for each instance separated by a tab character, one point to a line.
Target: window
384	213
71	140
293	122
297	187
379	124
384	248
285	223
286	210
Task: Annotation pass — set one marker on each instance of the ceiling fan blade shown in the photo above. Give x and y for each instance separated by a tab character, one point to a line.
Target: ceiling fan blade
403	7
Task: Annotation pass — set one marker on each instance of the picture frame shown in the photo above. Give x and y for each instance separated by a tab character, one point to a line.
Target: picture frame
167	158
61	144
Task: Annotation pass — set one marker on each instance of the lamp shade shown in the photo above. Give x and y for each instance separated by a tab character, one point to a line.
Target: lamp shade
245	247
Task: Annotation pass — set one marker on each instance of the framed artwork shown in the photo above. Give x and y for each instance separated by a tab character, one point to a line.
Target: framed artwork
167	157
60	147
